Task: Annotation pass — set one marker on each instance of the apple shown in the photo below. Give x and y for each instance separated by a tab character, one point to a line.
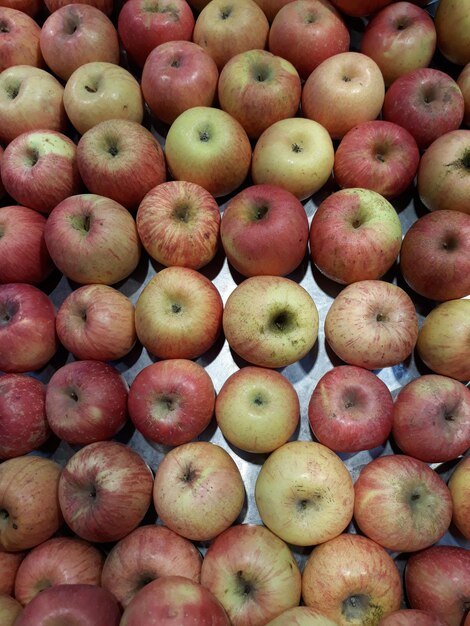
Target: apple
9	564
452	22
304	493
252	573
145	24
145	554
301	616
99	91
437	580
343	91
9	610
77	34
257	409
463	81
351	580
105	6
226	29
39	169
264	231
86	401
19	41
401	503
57	561
29	506
444	339
30	99
198	490
296	154
270	321
372	324
412	617
306	32
259	88
110	153
360	8
23	424
174	600
355	234
426	102
28	337
178	315
104	491
350	409
92	226
459	486
431	418
207	146
31	7
23	252
178	223
96	322
83	605
435	255
178	75
444	173
171	402
400	38
377	155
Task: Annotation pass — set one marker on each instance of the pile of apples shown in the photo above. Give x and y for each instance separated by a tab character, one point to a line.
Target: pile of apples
210	301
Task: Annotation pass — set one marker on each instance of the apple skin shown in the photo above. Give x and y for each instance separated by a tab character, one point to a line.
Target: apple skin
377	155
109	154
23	251
437	580
92	225
252	573
96	322
431	418
57	561
198	490
412	617
264	231
9	610
351	579
270	321
143	25
30	99
30	7
28	337
463	81
258	89
301	616
178	315
174	600
86	401
172	401
177	76
360	8
84	605
350	409
29	502
343	91
459	486
105	490
444	173
306	32
74	35
452	22
257	409
401	503
435	255
444	339
178	224
400	38
106	6
23	425
9	564
382	310
355	234
19	43
304	493
39	169
426	102
145	554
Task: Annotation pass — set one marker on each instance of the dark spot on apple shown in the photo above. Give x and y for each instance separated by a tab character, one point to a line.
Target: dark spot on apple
380	317
189	474
176	308
14	526
415	496
346	79
4	28
296	148
226	12
449	417
380	157
258	400
13	91
168	402
302	505
204	135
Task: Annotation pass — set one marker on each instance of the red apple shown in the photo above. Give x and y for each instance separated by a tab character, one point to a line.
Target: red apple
306	32
9	610
452	23
459	486
27	328
106	6
412	617
31	7
360	8
86	401
463	81
104	491
9	564
301	616
19	39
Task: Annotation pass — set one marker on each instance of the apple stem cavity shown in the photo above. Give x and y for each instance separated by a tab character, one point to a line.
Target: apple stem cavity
7	311
281	322
182	213
245	588
71	24
82	222
204	135
4	28
176	308
357	607
296	148
13	90
156	7
176	63
33	157
226	12
260	212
